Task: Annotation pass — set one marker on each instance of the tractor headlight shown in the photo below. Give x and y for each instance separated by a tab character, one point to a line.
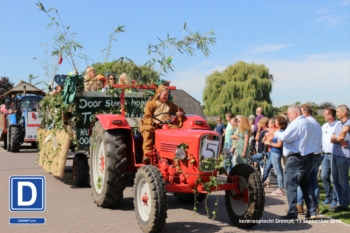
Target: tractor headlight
180	154
225	154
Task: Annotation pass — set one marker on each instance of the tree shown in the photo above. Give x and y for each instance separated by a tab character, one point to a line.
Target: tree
241	88
313	105
5	85
326	105
141	74
31	78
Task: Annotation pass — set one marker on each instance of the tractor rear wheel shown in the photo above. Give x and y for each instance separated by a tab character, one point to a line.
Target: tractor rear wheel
34	145
150	199
107	166
249	203
80	170
15	138
188	198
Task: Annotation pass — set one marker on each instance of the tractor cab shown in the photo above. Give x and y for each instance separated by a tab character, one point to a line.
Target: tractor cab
23	123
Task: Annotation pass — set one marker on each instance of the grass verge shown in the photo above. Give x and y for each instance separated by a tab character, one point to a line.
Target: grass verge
344	216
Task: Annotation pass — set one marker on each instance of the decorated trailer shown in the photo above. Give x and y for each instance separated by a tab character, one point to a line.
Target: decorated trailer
72	138
185	161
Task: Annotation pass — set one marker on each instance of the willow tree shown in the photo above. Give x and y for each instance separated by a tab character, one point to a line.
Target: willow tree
240	89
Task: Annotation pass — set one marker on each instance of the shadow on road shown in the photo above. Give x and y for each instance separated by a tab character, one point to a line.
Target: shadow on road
127	204
68	178
269	221
191	227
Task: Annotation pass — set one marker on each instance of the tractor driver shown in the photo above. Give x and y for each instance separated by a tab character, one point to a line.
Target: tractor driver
7	107
33	106
159	104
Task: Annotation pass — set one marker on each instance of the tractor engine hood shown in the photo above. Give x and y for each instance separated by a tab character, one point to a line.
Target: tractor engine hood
200	143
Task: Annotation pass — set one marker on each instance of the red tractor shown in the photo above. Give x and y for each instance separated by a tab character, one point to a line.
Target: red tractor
182	170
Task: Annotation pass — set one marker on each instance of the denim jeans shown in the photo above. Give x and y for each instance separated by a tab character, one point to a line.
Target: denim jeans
258	158
314	182
267	167
327	179
228	163
297	173
340	172
277	166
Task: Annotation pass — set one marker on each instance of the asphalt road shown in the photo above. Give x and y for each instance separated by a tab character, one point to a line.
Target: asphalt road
72	209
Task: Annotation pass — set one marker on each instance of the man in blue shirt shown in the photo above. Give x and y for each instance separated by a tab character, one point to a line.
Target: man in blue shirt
298	145
341	158
306	110
220	128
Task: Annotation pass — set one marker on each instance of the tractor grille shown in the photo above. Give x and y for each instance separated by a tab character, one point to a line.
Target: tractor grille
168	147
205	167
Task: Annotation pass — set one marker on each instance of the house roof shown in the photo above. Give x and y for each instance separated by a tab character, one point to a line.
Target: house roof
211	118
18	89
320	112
187	102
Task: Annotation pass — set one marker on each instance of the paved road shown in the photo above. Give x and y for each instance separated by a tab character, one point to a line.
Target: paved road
71	209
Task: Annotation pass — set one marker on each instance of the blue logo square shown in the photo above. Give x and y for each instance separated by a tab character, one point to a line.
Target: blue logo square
27	193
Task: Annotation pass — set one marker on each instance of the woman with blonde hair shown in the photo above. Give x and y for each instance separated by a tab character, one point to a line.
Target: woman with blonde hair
242	149
124	79
90	79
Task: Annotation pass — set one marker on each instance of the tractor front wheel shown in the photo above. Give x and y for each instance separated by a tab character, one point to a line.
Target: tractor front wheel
248	204
80	170
150	199
107	166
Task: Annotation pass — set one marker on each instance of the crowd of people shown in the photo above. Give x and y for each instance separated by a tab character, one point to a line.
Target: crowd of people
299	140
98	82
93	82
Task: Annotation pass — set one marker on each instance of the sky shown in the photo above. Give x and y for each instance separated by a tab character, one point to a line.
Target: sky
304	44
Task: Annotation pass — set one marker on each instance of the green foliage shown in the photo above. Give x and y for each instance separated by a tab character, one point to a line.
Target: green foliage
212	125
313	106
161	63
164	51
240	89
326	105
31	78
65	42
281	110
210	185
99	182
112	37
182	146
51	110
320	119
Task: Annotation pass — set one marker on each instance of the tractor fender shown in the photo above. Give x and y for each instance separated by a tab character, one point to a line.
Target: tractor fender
113	121
12	119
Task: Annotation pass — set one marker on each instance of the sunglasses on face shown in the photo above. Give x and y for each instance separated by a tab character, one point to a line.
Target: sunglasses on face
111	78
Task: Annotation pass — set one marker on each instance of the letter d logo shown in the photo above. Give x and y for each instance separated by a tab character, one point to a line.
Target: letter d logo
27	193
21	202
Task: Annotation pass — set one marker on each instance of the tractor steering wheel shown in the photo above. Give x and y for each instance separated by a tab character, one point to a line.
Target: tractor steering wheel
156	121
